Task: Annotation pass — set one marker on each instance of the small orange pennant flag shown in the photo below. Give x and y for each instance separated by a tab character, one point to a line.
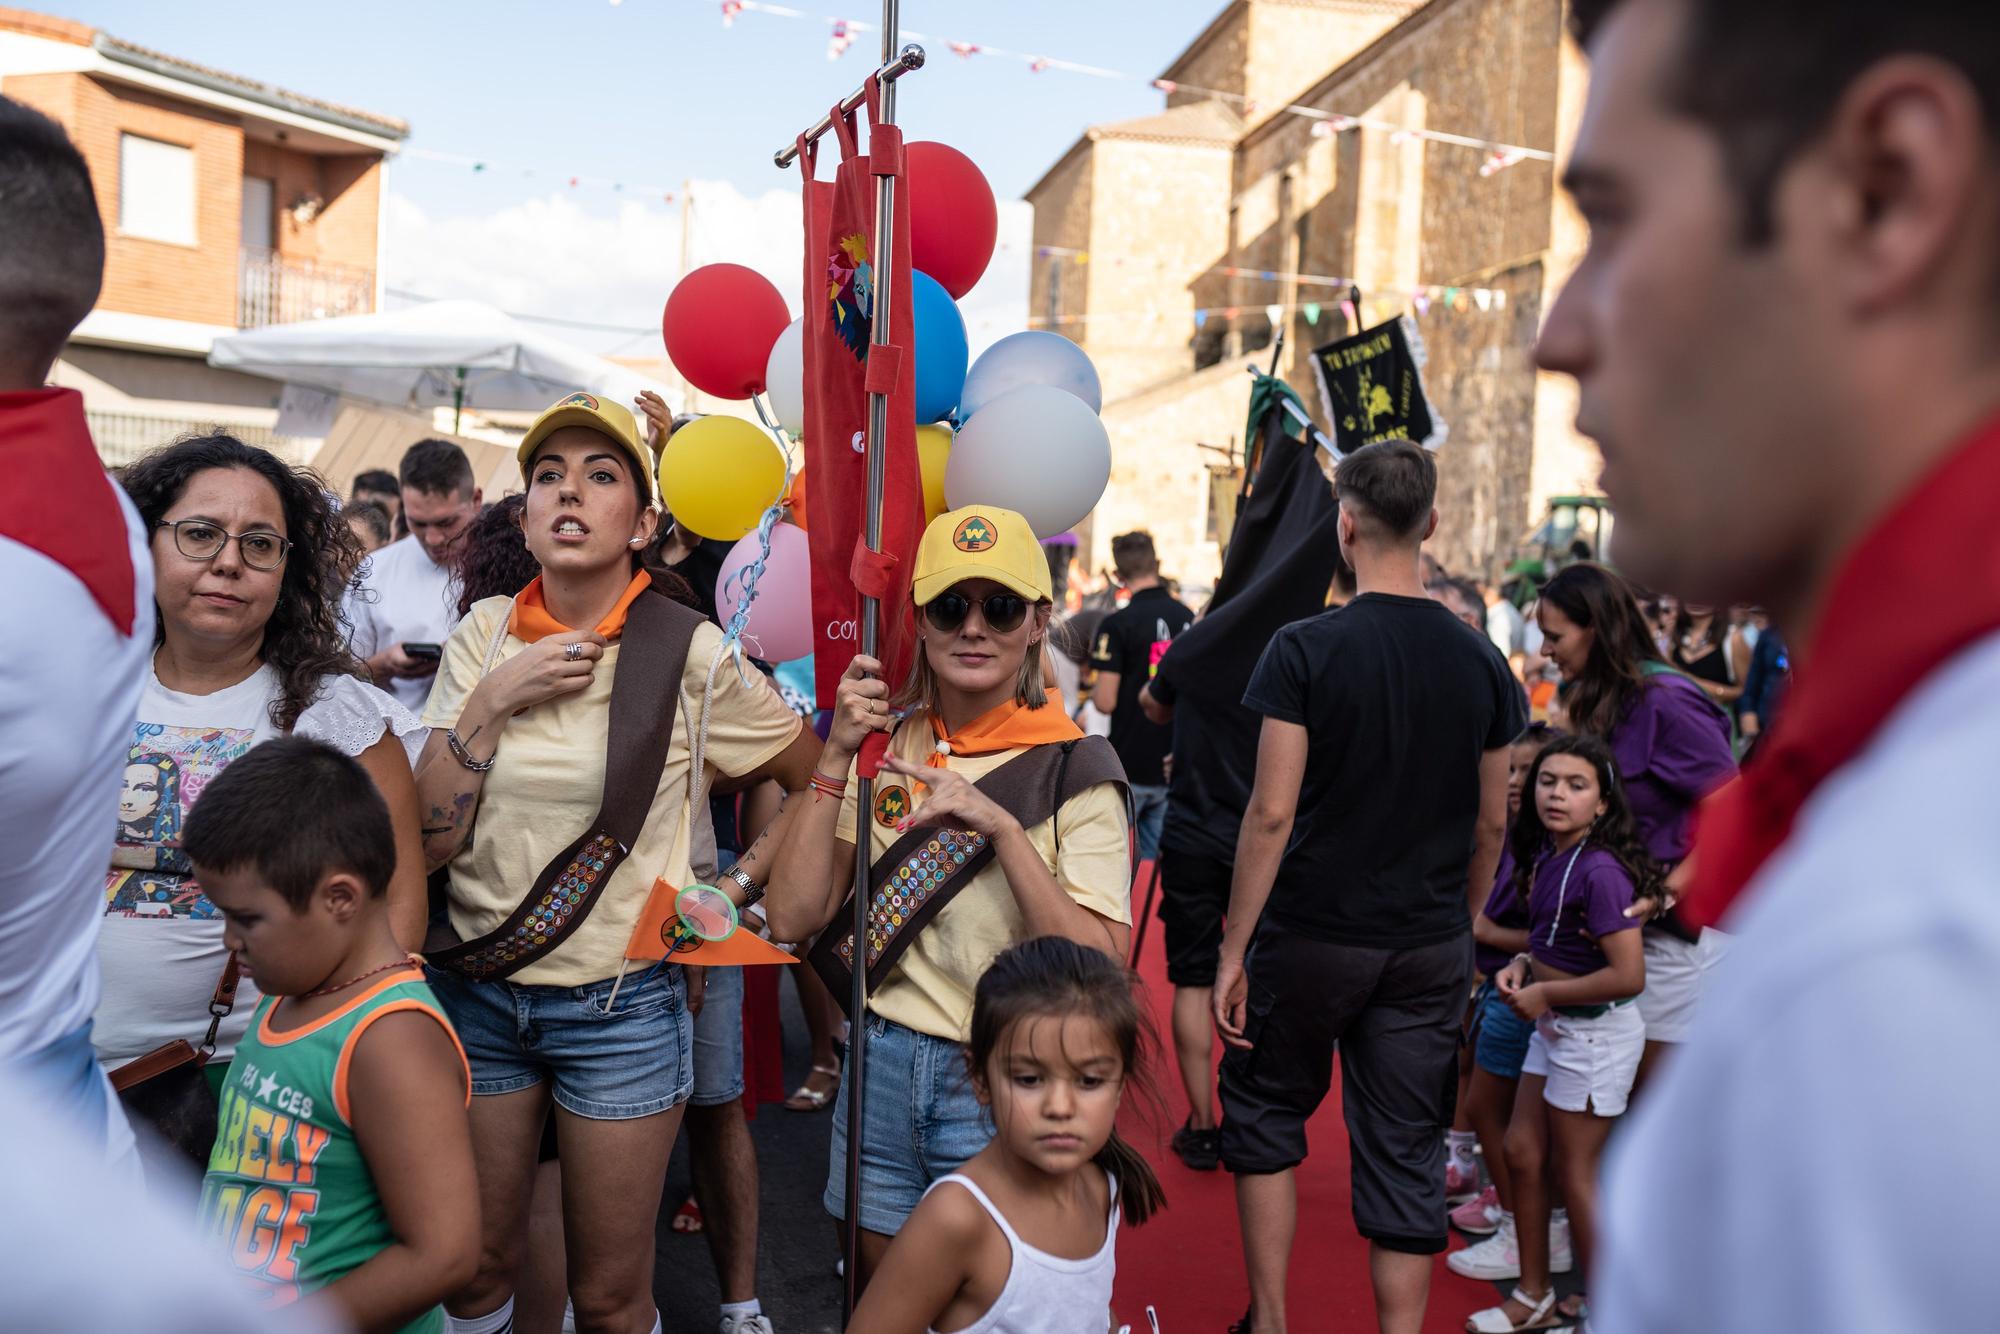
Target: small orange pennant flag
653	937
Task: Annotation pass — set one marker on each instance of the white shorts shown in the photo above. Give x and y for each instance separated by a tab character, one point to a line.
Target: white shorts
1589	1063
1675	974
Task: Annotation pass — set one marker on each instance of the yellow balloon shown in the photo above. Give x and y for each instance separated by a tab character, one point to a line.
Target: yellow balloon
933	448
718	475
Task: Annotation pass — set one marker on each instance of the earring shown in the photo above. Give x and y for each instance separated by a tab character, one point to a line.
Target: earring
637	542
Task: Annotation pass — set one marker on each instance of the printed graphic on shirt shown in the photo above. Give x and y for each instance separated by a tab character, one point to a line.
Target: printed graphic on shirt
260	1214
1163	638
892	805
165	771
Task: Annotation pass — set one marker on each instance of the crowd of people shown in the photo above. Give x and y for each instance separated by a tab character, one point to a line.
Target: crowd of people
394	784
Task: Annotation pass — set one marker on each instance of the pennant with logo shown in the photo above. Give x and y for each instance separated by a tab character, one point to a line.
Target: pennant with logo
842	368
1373	387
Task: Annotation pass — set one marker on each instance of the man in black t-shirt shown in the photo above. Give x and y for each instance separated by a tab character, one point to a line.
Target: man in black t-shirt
1371	839
1126	652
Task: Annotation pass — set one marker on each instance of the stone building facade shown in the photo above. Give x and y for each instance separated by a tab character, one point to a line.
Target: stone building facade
1166	246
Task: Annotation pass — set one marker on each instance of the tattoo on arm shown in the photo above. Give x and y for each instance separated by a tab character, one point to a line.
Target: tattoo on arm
443	821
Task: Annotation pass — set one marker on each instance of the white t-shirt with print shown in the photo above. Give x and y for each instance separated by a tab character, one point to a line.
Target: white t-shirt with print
402	597
160	950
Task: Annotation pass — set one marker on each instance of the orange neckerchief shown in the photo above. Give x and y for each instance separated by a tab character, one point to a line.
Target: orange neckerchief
530	620
1010	726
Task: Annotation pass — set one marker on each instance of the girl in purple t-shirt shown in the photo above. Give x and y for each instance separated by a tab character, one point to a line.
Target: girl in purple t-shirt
1578	864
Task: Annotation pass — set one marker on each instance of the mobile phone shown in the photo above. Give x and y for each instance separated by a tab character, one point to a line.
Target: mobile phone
424	650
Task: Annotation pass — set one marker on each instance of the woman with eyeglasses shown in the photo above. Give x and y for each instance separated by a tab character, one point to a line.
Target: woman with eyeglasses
974	701
248	562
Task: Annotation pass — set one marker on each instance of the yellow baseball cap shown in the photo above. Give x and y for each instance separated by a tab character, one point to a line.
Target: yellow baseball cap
980	542
602	415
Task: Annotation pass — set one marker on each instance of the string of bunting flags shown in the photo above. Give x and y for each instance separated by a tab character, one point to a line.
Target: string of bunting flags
1423	300
842	32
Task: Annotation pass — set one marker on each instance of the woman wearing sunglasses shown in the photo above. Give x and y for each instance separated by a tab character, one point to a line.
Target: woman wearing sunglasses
974	701
249	563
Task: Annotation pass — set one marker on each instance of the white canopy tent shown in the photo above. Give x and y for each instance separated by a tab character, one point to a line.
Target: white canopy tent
441	354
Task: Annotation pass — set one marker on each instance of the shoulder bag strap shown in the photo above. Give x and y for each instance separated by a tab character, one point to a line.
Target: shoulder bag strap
913	880
645	696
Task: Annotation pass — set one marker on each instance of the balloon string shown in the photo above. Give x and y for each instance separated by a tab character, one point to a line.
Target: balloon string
732	633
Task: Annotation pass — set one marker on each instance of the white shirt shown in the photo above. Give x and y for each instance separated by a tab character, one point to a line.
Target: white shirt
161	945
402	597
1505	627
1815	1157
69	685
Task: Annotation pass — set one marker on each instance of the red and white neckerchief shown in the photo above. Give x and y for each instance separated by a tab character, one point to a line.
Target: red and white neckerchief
58	500
1933	565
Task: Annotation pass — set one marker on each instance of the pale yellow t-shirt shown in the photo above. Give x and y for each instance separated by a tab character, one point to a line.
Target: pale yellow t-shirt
547	783
930	987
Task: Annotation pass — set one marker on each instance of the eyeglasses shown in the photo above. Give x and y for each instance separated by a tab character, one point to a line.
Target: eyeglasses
1002	612
198	539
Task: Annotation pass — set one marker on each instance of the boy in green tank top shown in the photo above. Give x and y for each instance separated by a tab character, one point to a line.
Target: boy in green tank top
342	1172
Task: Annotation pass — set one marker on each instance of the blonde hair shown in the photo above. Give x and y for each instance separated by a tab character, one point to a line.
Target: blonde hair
921	685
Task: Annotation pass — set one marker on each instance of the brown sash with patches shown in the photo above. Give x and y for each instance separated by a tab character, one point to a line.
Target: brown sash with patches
645	693
926	868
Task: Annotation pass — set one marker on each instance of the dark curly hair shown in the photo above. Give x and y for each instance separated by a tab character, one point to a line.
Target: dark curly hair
306	637
1615	830
495	560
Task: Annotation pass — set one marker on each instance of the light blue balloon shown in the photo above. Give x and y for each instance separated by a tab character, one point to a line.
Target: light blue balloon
941	348
1030	357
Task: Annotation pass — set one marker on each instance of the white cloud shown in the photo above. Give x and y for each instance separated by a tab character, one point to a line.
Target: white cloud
548	256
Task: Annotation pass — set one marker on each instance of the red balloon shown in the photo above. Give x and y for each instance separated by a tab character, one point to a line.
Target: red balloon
720	323
953	219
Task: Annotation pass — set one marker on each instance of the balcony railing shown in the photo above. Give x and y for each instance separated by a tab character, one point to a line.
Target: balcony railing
273	290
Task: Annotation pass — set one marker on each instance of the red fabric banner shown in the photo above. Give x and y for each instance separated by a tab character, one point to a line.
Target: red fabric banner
841	262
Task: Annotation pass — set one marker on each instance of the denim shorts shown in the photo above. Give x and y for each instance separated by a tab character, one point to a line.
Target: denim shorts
1501	1043
718	1039
920	1121
633	1062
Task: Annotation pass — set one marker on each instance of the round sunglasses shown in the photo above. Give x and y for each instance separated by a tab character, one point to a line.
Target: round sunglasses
1002	612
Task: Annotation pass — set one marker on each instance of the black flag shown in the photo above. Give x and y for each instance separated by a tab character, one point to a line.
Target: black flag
1373	386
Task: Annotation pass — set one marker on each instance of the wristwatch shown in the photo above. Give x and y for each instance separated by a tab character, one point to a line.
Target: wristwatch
752	891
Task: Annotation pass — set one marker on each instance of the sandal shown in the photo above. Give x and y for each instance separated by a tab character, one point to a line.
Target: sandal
1574	1309
1493	1320
688	1217
809	1099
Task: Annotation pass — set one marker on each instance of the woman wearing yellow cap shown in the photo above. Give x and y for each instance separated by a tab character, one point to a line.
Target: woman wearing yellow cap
994	821
555	783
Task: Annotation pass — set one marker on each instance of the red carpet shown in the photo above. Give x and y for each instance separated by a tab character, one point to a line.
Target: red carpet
1187	1263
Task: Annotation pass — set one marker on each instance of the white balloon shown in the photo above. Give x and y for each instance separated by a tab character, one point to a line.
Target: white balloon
1037	450
785	378
1030	357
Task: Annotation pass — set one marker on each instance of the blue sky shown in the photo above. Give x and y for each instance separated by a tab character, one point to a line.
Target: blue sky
657	91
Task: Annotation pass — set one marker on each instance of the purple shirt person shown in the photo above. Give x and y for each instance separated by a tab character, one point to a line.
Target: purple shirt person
1672	749
1585	890
1503	908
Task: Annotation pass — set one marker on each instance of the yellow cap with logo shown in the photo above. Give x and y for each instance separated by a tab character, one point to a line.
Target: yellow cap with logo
980	542
602	415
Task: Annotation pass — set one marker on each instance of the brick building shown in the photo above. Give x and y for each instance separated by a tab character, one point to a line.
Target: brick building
1167	246
227	204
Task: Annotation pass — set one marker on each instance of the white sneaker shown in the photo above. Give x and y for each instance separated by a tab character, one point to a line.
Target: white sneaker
1561	1260
746	1324
1498	1258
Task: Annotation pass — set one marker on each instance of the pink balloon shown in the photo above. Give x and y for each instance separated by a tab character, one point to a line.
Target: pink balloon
780	624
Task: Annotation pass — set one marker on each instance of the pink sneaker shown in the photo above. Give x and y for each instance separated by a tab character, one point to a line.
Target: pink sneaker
1478	1217
1460	1183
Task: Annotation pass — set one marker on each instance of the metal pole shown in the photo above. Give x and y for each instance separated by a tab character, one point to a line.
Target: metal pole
910	58
457	399
871	617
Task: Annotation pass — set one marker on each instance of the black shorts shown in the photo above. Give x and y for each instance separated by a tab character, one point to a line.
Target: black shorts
1395	1015
1194	894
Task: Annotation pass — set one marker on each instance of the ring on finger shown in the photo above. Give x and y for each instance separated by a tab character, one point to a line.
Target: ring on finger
571	652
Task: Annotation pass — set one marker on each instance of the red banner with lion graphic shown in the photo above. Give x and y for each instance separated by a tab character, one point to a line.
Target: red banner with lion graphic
841	368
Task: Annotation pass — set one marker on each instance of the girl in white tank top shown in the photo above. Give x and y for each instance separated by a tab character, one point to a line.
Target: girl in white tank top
1023	1239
